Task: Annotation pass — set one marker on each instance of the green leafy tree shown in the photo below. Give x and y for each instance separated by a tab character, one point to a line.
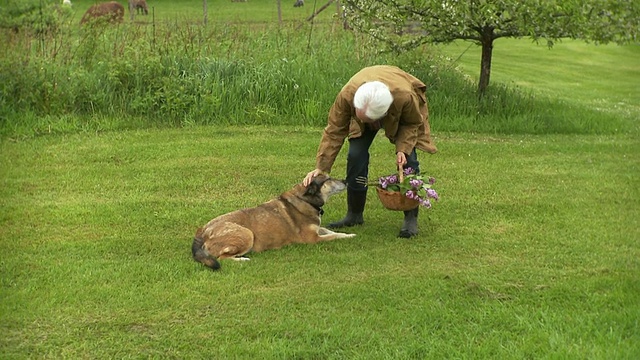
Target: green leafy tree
405	24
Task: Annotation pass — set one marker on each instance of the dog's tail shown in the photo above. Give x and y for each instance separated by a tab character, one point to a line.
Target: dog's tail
201	254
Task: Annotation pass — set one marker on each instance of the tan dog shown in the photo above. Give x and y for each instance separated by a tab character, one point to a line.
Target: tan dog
294	217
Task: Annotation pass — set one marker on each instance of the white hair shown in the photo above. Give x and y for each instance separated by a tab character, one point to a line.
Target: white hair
374	98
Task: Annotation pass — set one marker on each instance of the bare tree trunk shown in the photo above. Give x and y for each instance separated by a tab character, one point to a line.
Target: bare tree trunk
341	15
206	13
485	62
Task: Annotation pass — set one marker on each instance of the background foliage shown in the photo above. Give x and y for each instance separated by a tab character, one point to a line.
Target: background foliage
167	69
402	25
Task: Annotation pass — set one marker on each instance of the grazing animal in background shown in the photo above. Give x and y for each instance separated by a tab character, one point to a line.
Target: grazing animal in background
292	218
140	6
111	11
298	3
66	2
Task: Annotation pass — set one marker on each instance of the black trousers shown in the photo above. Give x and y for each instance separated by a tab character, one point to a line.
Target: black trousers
358	160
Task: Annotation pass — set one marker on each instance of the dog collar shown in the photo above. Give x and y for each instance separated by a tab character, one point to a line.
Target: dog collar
320	211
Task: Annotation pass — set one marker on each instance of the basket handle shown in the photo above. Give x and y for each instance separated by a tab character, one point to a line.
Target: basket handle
400	173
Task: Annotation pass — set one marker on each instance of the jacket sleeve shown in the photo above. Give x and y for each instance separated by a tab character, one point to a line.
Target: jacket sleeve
408	125
334	133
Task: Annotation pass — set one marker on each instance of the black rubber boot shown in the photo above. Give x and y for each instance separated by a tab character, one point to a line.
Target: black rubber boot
355	208
410	225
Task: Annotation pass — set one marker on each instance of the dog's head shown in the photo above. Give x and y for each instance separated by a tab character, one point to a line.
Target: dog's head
321	188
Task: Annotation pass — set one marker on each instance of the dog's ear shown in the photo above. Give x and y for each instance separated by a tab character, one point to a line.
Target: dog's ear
313	188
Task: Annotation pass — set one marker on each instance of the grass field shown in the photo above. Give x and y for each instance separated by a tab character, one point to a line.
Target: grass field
224	11
532	251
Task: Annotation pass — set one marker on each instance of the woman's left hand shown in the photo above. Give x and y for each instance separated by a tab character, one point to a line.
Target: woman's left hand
401	159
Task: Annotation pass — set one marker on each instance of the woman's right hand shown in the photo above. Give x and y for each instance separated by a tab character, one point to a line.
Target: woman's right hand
309	178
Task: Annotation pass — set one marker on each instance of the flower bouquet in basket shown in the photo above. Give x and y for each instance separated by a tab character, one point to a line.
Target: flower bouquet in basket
406	190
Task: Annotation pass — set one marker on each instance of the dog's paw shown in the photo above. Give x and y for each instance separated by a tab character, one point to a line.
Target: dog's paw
343	235
240	258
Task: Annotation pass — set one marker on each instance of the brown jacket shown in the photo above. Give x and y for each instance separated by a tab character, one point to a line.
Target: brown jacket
406	123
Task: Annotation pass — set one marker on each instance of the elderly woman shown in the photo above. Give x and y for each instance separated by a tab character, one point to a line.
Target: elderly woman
377	97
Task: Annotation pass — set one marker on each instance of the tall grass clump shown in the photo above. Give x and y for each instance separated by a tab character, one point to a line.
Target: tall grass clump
179	72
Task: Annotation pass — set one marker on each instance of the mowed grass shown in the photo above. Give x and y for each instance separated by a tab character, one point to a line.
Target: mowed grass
532	251
604	77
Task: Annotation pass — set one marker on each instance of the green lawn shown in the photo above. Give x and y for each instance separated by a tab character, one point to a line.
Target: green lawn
532	251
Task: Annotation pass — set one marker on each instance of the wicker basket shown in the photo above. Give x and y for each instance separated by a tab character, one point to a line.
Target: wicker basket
395	200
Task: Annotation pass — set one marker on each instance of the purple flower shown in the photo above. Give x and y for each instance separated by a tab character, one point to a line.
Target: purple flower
432	194
426	203
415	183
414	187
